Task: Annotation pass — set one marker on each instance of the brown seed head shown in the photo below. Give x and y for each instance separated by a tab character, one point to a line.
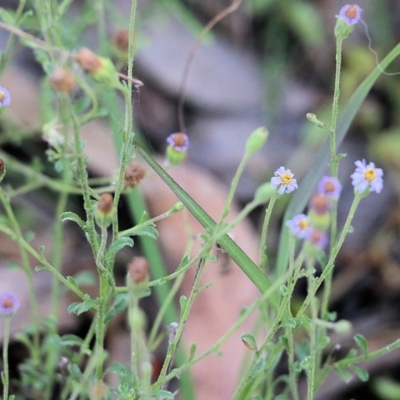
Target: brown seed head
121	40
138	270
89	61
105	203
134	173
320	204
62	80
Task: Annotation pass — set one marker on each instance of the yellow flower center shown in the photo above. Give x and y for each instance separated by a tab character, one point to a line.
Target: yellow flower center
351	12
286	179
2	96
369	174
303	224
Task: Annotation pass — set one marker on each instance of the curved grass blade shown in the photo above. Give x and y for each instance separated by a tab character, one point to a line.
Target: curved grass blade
234	251
302	195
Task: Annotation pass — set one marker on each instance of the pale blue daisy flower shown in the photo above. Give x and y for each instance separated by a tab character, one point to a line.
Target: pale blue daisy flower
284	180
350	13
367	176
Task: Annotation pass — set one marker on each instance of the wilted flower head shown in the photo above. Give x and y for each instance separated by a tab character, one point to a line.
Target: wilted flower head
9	304
367	176
319	204
284	180
317	238
178	144
299	226
329	186
5	98
350	13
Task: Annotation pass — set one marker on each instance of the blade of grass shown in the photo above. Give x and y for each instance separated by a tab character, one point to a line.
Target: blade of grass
234	251
308	185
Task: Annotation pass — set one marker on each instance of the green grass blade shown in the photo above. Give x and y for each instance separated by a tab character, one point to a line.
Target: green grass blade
234	251
308	185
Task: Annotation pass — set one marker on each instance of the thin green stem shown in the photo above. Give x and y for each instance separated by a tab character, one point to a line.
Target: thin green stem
184	317
330	264
6	374
18	239
335	108
313	338
264	230
26	266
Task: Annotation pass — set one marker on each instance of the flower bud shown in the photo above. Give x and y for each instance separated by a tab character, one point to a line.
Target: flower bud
104	211
264	193
320	212
62	80
100	68
257	140
2	169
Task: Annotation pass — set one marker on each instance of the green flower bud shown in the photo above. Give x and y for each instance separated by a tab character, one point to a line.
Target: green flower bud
257	139
342	29
104	212
264	193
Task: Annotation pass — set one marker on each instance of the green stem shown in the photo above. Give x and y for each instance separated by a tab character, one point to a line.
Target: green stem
26	266
335	107
100	323
330	264
6	375
184	317
313	338
18	239
264	230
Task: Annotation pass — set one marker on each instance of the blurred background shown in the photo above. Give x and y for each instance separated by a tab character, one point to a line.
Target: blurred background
269	63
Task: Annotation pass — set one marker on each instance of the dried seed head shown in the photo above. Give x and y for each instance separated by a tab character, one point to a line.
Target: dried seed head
134	173
89	61
62	80
104	211
138	270
105	203
121	40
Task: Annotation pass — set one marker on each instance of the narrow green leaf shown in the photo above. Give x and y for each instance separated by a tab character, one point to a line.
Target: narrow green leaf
362	343
148	230
117	246
234	251
308	184
361	373
71	216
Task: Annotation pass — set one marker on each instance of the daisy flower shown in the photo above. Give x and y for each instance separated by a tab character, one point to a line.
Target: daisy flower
284	181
